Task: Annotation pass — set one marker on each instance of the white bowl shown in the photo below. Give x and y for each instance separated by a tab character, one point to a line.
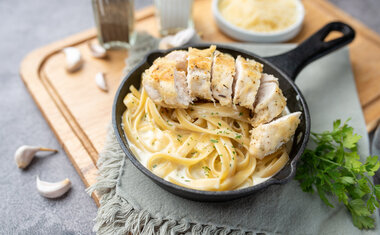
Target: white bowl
250	36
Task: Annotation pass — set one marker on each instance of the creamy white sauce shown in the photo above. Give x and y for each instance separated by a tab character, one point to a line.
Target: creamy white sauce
259	180
179	172
139	154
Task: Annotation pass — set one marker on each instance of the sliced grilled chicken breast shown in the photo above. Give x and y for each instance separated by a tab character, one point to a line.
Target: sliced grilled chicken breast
268	138
247	82
270	102
223	72
180	57
166	85
199	72
265	78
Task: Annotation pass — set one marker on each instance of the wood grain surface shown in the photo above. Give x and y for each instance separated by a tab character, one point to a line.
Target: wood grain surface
79	112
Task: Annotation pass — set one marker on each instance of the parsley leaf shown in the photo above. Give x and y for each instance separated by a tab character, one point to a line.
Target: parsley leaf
334	168
206	170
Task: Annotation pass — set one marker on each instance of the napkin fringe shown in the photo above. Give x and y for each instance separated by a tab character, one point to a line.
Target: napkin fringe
117	216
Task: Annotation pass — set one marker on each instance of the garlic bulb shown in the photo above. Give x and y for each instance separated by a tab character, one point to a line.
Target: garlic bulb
180	39
97	50
73	59
53	190
25	154
101	81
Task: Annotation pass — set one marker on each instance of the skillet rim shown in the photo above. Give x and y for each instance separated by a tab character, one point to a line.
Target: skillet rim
211	195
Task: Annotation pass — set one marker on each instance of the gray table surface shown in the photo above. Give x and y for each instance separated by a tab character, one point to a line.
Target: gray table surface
27	25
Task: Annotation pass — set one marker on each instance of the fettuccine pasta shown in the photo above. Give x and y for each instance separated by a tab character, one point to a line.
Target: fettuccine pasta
203	147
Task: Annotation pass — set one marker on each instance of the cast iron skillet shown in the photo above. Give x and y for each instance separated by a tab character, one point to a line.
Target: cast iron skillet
285	67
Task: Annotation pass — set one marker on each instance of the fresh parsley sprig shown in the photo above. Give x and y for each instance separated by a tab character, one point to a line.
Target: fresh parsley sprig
334	168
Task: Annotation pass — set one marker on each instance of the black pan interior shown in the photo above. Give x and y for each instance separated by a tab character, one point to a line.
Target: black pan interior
295	102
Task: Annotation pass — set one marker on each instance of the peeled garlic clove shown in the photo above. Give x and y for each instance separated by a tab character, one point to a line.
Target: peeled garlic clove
25	154
73	59
165	43
97	50
180	39
101	81
53	190
183	37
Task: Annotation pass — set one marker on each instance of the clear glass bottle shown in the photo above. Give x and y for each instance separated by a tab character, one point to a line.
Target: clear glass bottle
174	15
115	22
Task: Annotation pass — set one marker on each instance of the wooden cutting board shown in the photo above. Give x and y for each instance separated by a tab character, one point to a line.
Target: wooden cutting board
79	113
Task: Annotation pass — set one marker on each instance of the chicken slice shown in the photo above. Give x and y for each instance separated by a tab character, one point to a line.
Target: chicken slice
247	82
268	138
223	72
270	103
166	85
199	72
180	57
265	78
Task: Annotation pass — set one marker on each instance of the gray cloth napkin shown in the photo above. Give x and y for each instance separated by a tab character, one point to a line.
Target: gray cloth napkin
133	203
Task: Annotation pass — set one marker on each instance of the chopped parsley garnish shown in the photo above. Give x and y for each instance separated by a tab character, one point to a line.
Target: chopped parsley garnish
214	141
154	166
220	124
240	114
206	170
238	136
169	123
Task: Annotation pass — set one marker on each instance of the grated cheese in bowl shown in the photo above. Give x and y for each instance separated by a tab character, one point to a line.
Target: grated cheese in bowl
260	15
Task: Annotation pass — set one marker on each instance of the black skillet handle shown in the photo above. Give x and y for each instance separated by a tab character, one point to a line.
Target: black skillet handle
292	62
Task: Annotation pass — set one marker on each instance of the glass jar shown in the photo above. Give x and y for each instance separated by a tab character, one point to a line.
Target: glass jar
174	15
115	22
